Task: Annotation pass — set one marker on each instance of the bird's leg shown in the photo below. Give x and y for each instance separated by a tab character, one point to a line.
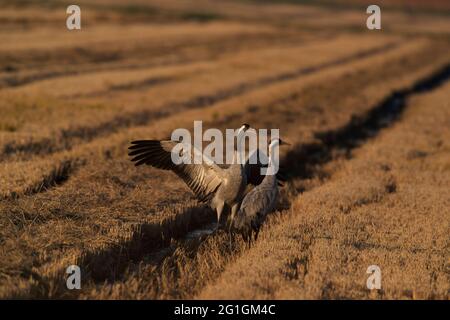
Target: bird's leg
247	237
244	236
219	210
249	240
234	210
256	234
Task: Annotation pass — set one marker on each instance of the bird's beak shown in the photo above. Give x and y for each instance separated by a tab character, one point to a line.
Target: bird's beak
286	143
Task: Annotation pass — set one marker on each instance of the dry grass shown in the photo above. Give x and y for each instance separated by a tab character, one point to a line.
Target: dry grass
70	105
371	211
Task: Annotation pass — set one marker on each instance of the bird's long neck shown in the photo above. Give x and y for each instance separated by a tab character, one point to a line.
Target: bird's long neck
272	161
237	157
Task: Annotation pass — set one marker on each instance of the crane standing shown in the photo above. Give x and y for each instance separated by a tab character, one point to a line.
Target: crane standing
260	201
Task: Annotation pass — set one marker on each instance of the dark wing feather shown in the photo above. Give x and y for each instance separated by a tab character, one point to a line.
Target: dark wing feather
203	179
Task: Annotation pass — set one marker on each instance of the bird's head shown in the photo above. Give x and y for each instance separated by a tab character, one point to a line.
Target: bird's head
245	127
279	142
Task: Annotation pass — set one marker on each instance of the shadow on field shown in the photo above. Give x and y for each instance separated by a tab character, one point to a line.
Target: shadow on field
305	161
69	137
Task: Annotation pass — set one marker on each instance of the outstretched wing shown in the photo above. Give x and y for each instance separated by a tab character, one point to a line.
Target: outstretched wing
252	168
203	179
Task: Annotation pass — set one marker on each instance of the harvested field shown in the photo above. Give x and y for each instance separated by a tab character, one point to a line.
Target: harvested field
368	172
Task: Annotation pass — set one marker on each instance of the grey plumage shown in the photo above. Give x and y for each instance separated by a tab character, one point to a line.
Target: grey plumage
221	187
259	202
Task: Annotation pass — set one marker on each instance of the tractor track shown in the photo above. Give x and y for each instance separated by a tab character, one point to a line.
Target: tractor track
66	139
91	61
